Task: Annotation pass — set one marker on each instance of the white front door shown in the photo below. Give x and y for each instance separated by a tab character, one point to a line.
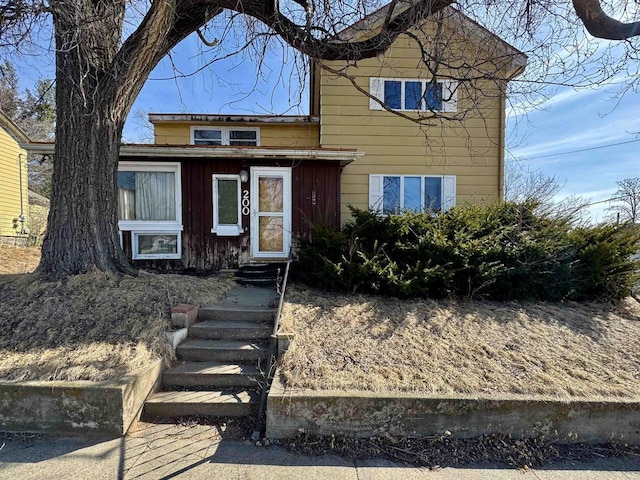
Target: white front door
270	212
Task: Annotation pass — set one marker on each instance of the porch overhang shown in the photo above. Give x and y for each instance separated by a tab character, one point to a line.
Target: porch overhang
342	155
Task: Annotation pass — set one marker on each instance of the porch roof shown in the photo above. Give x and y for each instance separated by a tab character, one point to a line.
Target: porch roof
343	155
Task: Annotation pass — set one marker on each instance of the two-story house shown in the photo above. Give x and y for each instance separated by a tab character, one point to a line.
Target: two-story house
14	196
393	133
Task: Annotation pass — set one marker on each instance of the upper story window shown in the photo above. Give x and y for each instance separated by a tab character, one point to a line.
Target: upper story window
236	136
391	194
414	94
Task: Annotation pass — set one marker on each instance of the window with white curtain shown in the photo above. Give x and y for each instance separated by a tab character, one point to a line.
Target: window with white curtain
149	200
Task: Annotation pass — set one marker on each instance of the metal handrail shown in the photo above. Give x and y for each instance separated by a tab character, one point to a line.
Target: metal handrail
257	431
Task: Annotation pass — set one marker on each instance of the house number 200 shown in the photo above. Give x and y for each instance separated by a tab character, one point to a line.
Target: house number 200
246	203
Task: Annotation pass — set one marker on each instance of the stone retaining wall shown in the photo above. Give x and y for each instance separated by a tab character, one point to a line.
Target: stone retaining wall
364	414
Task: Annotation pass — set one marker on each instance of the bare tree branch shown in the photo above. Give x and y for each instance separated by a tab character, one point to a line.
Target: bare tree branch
601	25
335	48
204	40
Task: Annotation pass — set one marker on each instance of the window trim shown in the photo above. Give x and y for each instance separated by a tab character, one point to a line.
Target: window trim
160	227
155	256
449	94
225	230
225	134
376	193
155	225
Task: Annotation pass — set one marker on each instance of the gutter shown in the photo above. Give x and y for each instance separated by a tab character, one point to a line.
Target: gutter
209	118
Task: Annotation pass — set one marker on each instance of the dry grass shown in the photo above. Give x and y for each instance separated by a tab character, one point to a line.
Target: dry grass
91	327
18	259
482	349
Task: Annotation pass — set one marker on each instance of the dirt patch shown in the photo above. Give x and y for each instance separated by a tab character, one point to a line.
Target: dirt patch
446	451
485	349
94	326
18	259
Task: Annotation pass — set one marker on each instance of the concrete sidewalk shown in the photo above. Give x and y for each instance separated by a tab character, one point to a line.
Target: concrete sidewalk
198	452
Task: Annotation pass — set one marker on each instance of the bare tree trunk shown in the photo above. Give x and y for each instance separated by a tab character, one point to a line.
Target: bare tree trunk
82	228
97	81
82	232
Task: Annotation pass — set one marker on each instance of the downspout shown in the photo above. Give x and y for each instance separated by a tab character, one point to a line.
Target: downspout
21	218
501	145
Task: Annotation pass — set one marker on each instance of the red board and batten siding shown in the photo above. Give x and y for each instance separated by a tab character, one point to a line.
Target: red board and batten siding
315	199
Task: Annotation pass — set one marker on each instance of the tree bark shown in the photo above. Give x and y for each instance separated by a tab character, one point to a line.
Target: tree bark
82	232
97	81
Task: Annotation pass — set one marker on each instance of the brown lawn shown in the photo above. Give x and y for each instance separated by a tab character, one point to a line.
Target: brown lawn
481	349
18	259
90	327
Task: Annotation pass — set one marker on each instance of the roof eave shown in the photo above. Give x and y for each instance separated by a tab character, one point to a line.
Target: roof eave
345	157
14	130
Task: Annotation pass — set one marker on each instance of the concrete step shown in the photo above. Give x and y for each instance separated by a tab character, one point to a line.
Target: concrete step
254	313
230	329
232	351
269	274
256	282
212	375
203	403
262	267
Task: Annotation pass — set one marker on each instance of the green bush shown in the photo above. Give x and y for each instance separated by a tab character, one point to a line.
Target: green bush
500	251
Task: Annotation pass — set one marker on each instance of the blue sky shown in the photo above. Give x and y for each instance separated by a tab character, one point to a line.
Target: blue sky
588	139
545	139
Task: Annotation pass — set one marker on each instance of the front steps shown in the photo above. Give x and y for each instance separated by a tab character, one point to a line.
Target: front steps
231	329
210	350
260	274
212	375
221	362
202	403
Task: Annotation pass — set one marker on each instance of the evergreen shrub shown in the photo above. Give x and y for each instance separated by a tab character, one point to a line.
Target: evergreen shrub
502	251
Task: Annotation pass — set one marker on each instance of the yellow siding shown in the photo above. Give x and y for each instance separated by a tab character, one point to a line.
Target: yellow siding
470	148
172	133
10	184
289	136
278	135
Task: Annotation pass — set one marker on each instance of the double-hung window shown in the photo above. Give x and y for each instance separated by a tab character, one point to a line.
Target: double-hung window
392	194
227	215
237	136
413	94
150	207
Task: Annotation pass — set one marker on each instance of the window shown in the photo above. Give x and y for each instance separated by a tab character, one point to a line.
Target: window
242	137
150	207
227	217
401	193
413	94
151	245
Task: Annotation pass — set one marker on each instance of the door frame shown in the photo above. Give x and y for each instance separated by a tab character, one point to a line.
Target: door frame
285	173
